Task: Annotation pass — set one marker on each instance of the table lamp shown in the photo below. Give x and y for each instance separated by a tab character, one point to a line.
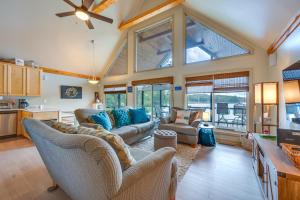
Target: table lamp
206	118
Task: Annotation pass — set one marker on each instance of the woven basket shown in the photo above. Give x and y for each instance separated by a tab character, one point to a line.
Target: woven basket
294	155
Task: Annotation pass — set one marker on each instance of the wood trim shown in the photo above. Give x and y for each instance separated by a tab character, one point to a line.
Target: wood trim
198	84
98	8
8	79
65	73
169	4
5	79
291	28
115	86
169	80
115	92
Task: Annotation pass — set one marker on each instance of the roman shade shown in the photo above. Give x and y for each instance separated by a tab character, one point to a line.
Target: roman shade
115	89
236	81
163	80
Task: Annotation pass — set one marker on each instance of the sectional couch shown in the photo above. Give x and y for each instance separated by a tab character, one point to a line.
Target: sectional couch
130	134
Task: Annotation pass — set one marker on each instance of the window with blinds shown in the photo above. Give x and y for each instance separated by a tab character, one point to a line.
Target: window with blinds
224	96
115	96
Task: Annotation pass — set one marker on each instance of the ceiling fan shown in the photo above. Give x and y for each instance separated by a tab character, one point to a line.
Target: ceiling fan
83	13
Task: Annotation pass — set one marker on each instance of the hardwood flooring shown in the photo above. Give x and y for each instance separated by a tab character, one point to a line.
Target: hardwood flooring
221	173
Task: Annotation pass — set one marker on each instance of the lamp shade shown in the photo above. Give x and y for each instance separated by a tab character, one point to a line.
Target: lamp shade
206	116
270	93
291	91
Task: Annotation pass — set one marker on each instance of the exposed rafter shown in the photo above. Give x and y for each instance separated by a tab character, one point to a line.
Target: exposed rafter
104	4
150	13
292	27
65	73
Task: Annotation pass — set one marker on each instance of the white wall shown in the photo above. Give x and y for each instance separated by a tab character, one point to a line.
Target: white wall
256	63
287	54
51	93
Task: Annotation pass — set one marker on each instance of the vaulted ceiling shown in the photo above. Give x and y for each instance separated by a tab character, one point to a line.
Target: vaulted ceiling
30	29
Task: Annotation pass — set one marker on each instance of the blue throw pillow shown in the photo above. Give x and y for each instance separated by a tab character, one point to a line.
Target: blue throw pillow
102	118
121	117
138	115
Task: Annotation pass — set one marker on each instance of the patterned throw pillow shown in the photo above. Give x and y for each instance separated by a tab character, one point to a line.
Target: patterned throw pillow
65	128
112	119
121	117
195	115
115	141
183	117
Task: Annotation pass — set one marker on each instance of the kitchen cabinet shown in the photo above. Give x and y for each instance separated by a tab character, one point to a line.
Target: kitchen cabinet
16	76
33	84
278	177
19	81
3	79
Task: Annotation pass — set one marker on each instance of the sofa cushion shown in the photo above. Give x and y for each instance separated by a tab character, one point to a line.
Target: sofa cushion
141	128
115	141
125	131
138	115
195	115
121	117
139	154
65	128
102	118
183	117
180	128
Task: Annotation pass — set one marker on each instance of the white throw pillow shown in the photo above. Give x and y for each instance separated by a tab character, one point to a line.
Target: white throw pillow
182	117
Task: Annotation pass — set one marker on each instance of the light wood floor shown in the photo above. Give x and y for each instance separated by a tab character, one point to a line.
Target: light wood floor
223	173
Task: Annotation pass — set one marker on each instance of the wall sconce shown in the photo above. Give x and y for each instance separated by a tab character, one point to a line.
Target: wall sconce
266	93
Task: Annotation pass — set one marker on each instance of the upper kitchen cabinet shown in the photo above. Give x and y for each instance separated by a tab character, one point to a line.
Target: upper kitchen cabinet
3	79
33	82
19	81
16	77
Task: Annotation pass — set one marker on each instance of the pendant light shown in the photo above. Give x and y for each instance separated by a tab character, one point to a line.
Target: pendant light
93	80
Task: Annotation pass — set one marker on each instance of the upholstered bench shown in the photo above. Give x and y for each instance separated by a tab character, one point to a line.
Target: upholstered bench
165	138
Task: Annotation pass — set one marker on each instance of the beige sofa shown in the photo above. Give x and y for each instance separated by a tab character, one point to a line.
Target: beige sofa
130	134
186	133
86	167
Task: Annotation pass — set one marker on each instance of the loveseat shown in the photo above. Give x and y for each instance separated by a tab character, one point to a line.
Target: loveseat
186	133
130	134
86	167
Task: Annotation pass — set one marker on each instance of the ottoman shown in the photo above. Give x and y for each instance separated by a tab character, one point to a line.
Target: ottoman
165	138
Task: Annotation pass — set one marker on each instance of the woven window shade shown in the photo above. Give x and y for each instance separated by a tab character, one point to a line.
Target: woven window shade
115	89
237	81
168	80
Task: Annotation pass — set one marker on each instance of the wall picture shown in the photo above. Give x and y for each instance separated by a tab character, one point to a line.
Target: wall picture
70	92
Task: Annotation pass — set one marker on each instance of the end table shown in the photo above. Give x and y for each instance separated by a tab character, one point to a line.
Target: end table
206	136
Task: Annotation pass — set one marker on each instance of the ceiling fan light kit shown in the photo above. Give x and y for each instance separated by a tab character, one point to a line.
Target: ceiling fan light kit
82	15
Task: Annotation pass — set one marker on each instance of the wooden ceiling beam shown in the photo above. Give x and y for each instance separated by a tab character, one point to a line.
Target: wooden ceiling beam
65	73
104	4
277	43
169	4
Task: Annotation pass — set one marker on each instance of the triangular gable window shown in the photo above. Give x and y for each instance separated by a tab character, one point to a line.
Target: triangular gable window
119	66
204	44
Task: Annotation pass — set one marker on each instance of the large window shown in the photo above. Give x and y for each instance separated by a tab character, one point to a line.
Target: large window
115	96
204	44
154	46
156	99
224	96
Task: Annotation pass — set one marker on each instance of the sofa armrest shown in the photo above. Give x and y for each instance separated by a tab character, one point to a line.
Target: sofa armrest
90	125
165	120
145	174
196	123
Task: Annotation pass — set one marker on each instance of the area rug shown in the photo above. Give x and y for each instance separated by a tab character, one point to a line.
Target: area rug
185	154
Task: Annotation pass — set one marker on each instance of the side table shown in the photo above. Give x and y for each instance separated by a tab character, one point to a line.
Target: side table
206	136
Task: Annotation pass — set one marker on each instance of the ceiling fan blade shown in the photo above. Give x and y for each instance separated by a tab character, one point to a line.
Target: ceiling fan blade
87	4
65	14
89	24
70	3
100	17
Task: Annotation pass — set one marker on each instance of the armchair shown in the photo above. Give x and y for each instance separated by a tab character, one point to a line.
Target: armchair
86	167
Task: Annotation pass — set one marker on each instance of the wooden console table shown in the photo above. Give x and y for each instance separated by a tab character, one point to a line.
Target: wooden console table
278	177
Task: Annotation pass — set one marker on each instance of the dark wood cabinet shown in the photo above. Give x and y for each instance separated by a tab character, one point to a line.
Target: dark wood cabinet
278	177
